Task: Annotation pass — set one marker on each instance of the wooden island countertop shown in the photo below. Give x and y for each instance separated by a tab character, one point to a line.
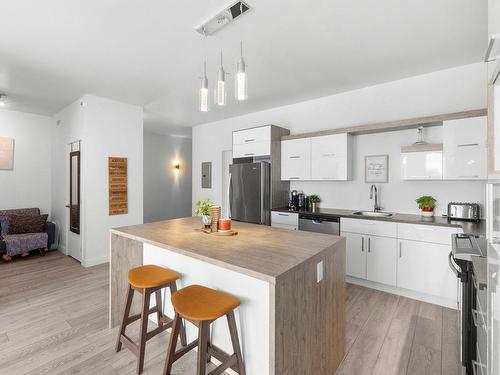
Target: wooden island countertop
258	250
291	285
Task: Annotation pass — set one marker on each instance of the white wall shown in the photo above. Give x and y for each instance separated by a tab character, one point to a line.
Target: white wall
29	183
68	127
167	191
111	129
106	128
451	90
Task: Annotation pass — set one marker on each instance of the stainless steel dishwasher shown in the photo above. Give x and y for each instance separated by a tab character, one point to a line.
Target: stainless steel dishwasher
320	224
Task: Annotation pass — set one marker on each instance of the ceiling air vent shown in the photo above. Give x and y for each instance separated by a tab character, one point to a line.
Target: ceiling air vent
223	18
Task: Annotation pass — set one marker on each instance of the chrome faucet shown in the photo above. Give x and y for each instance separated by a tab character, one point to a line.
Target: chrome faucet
376	207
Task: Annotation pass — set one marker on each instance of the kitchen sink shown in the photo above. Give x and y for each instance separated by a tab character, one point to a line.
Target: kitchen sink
373	213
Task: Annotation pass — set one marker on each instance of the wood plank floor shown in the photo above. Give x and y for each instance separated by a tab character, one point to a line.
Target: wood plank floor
54	313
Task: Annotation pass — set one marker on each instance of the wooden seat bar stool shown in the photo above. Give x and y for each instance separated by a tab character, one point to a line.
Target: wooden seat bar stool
202	306
147	280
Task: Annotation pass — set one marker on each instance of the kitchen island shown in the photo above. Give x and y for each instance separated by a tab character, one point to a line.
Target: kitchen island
291	285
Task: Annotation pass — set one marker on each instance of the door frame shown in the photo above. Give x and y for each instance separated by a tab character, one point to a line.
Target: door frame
73	147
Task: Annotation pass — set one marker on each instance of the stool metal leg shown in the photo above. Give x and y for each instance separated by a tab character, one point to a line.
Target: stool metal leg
126	313
146	294
204	329
235	341
172	344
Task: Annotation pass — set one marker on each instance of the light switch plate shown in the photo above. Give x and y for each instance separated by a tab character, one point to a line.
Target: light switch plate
319	271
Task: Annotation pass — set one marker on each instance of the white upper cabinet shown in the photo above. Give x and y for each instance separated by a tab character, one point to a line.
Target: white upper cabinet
422	165
331	157
296	159
252	142
465	149
326	158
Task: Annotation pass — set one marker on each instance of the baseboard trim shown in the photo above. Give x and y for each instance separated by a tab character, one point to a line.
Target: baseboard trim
94	262
435	300
62	249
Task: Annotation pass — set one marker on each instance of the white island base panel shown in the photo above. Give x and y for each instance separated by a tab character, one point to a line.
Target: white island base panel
252	316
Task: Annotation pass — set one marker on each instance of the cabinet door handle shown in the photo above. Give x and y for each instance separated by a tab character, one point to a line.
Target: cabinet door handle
250	154
295	157
468	144
294	178
369	244
362	244
400	246
284	214
328	154
249	140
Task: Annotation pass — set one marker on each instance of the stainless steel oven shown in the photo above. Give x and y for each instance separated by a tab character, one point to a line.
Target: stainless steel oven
464	247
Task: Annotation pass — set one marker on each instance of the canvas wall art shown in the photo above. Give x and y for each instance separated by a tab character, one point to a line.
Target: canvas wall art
6	153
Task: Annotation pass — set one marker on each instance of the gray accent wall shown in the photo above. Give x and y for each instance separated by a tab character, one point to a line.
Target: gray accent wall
167	191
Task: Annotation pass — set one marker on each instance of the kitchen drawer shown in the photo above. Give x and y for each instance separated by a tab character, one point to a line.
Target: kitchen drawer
372	227
285	218
284	226
426	233
249	150
260	134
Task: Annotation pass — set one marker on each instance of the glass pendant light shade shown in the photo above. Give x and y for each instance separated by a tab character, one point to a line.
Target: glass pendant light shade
204	99
220	87
241	81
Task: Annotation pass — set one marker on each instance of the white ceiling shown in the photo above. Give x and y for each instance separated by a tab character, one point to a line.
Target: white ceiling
148	53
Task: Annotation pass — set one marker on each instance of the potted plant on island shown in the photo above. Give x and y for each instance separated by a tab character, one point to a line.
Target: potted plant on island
426	204
202	208
314	200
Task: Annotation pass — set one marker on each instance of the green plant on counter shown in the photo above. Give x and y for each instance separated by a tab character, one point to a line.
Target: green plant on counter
202	207
314	198
426	203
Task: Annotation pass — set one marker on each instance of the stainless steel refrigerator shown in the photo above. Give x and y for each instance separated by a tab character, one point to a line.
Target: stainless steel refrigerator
249	192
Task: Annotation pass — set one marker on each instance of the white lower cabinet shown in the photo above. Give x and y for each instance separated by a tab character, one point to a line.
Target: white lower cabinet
381	260
355	255
370	257
423	267
412	259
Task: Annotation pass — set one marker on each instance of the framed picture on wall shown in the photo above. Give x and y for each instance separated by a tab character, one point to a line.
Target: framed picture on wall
6	153
377	168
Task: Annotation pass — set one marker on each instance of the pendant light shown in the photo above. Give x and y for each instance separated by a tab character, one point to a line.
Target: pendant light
241	89
220	87
204	100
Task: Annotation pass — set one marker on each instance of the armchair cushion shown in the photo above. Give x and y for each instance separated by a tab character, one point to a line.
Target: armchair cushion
27	224
15	244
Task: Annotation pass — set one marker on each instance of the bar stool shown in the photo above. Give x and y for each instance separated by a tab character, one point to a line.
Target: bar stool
147	280
202	306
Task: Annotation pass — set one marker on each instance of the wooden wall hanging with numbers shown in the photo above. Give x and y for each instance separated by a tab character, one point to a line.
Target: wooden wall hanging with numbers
118	186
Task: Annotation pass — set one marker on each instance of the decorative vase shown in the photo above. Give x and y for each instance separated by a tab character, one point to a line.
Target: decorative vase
427	212
314	206
207	220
